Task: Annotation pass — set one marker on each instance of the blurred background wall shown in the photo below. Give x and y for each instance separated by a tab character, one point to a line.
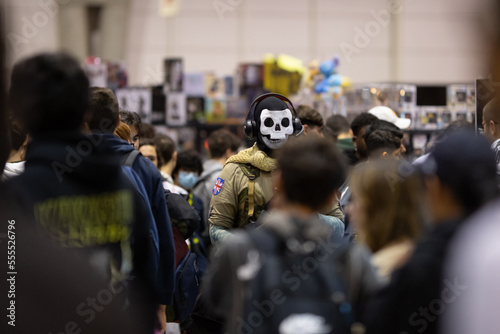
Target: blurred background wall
421	41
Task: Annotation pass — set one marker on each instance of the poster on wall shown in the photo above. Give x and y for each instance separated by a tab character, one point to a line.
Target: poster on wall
194	84
174	73
195	110
176	109
138	100
159	104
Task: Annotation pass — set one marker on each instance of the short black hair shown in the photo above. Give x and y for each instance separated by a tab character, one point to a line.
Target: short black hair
337	124
49	93
131	118
382	125
361	121
309	116
379	140
166	148
147	131
188	159
104	108
311	170
220	141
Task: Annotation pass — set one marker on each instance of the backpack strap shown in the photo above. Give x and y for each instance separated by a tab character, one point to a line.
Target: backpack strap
252	173
130	158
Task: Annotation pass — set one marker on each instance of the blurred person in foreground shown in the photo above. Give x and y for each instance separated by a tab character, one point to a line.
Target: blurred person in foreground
388	224
104	118
73	191
309	171
459	176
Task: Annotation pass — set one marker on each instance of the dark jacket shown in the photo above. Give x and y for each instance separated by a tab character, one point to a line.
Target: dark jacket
414	300
152	181
77	192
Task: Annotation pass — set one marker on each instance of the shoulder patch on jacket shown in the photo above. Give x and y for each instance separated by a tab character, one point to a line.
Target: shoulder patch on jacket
218	186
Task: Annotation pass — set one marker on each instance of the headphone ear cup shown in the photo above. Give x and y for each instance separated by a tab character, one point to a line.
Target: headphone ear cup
250	129
297	126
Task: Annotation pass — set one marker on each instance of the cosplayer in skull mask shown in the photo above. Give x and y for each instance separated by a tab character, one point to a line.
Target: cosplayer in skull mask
244	186
273	121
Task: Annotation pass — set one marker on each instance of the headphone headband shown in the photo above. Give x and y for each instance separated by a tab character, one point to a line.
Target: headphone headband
264	96
251	126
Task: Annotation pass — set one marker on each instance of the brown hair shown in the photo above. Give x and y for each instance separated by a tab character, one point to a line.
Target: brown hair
392	197
122	131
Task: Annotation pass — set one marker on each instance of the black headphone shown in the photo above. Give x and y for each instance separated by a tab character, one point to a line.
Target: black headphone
251	126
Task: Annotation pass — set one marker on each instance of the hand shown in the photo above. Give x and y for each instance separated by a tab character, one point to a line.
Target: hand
161	318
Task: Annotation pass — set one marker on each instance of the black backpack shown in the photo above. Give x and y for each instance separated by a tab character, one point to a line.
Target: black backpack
295	292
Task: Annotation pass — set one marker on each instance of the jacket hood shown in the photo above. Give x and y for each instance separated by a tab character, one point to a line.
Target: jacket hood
209	167
85	159
255	157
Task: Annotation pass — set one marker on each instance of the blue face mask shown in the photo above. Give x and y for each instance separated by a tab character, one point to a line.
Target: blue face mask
187	180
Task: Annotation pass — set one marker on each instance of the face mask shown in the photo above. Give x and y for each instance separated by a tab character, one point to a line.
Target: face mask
187	180
275	127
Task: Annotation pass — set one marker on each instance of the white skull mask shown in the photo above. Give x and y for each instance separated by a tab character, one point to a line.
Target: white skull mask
275	127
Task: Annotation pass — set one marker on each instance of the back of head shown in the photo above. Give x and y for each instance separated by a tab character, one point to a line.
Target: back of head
220	141
147	130
380	141
49	93
465	163
362	120
391	198
104	110
384	126
166	148
309	116
337	124
312	169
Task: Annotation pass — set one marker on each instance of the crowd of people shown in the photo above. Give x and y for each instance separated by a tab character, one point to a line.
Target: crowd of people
318	226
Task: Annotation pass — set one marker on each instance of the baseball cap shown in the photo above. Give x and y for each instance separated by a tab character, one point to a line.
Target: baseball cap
465	162
387	114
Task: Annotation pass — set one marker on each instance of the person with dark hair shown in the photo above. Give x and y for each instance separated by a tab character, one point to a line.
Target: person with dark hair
380	143
147	131
256	267
310	119
341	131
133	120
73	187
187	170
459	176
381	125
104	108
222	144
167	156
148	149
244	187
359	126
18	141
